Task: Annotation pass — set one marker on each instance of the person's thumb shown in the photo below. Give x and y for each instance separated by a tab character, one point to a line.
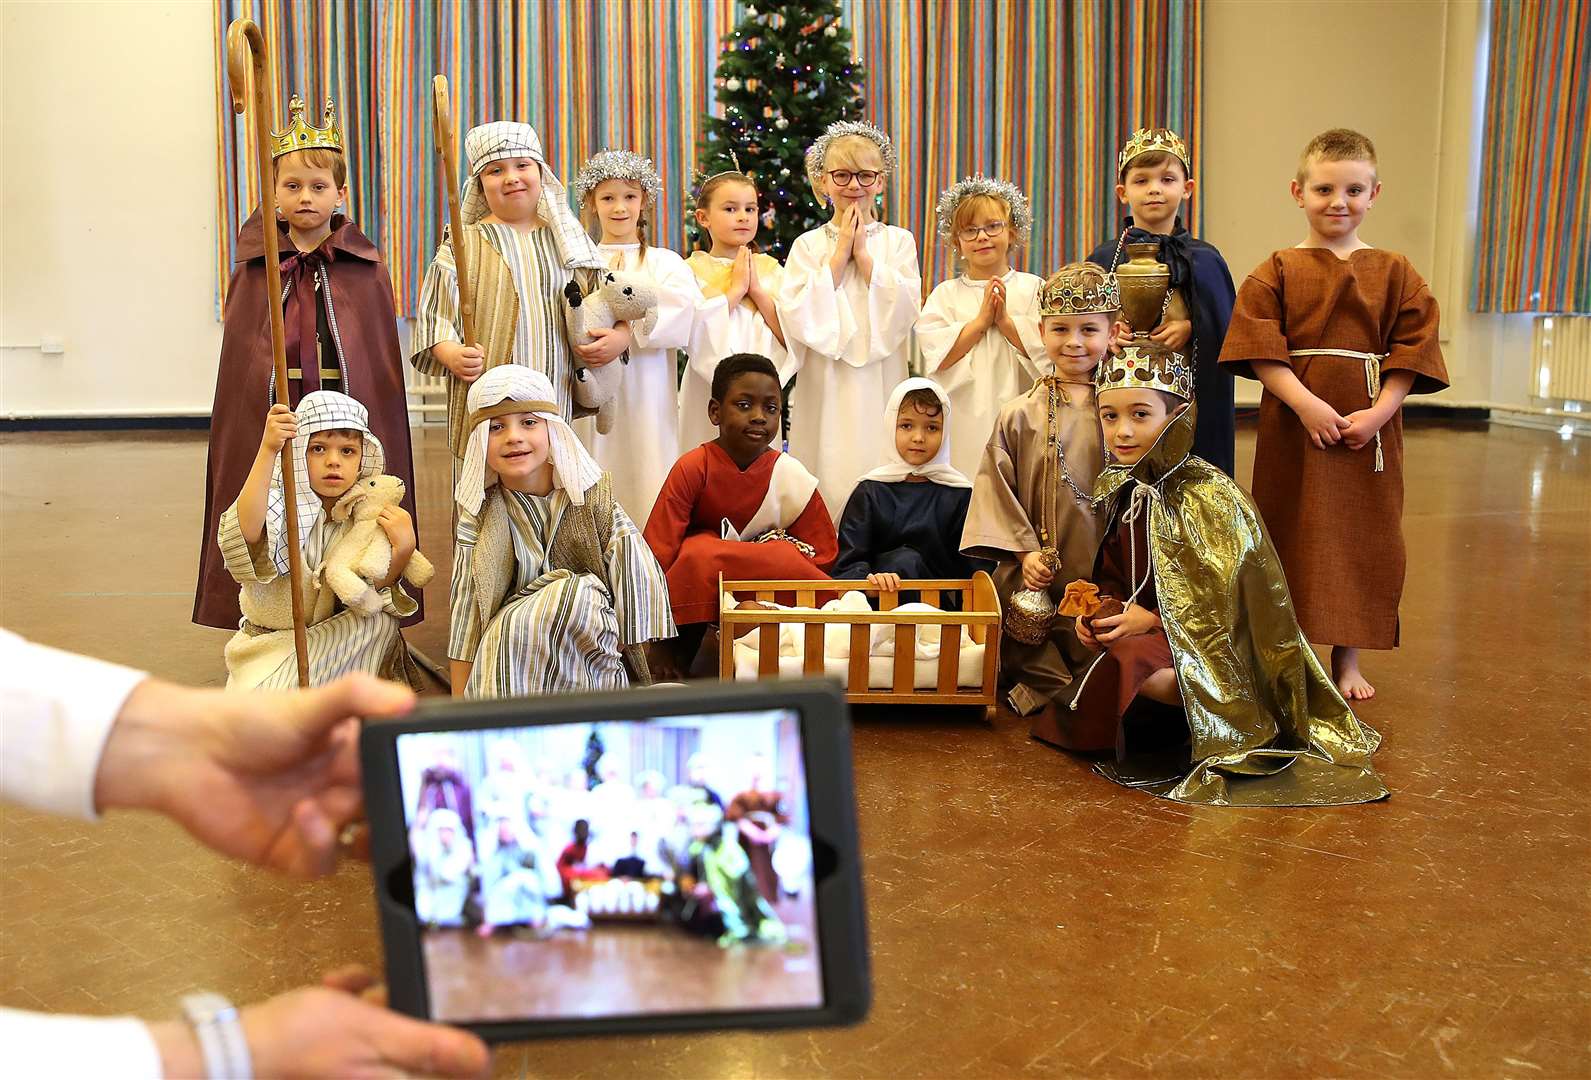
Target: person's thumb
358	694
423	1049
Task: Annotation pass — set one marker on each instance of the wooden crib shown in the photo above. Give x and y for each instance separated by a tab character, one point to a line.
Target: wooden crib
980	613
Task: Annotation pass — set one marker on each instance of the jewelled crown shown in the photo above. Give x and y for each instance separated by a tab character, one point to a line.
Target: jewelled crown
1152	366
1145	140
301	136
1080	289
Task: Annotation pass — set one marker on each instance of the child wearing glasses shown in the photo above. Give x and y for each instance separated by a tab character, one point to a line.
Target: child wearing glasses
979	332
848	299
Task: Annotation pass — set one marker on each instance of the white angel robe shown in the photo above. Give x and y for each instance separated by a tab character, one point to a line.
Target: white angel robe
851	343
992	372
721	331
644	442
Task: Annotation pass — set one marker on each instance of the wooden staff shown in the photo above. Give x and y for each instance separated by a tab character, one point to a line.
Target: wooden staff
442	115
245	47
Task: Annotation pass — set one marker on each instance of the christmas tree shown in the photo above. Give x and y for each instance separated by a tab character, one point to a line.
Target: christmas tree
785	74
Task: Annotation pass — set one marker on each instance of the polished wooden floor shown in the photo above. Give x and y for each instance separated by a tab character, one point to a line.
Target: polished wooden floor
1027	917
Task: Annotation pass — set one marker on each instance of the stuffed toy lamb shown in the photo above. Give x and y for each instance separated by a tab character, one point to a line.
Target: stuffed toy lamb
363	554
618	297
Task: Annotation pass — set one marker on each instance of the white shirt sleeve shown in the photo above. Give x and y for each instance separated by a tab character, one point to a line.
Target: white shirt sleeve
56	711
70	1046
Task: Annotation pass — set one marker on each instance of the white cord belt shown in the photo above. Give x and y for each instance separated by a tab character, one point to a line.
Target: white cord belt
1372	363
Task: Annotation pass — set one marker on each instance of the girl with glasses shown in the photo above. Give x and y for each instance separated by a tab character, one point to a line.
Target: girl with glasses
979	331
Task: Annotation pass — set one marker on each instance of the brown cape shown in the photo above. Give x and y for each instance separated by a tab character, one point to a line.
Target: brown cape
366	327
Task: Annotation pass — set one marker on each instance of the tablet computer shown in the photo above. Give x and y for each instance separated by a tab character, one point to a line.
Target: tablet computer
657	859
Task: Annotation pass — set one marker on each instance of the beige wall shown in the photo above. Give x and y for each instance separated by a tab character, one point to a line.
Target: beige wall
1408	74
107	193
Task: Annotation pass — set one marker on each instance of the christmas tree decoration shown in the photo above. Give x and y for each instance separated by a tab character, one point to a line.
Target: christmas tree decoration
786	73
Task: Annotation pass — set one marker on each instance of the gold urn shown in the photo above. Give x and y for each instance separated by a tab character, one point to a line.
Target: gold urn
1145	284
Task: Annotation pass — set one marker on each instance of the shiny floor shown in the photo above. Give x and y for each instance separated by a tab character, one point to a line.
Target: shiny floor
1027	917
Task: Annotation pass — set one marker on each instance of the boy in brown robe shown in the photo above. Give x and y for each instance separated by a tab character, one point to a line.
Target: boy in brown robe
340	330
1339	333
1031	512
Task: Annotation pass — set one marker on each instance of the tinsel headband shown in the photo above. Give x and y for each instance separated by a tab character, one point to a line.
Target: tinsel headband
608	165
978	184
839	130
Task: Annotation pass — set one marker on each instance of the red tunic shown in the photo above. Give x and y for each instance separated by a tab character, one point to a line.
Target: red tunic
367	330
703	488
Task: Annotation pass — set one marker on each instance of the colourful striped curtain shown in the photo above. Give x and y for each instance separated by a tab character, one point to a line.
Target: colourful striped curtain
588	74
1533	250
1038	92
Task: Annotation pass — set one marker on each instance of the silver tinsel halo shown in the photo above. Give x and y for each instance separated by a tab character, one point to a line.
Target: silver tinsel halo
618	165
839	129
978	184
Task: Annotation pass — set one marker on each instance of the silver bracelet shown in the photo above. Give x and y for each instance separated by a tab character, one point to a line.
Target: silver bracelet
220	1032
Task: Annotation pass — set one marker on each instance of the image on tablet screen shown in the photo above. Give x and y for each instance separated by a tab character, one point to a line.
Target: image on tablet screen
613	869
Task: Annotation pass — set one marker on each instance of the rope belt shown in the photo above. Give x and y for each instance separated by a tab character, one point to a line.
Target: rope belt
1372	363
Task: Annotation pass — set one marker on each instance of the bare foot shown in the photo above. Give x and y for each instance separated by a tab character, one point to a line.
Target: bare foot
485	929
1350	680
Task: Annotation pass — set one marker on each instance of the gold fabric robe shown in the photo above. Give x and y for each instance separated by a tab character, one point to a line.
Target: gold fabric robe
1268	725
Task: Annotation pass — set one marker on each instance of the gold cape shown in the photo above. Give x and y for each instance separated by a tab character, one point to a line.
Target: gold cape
1268	725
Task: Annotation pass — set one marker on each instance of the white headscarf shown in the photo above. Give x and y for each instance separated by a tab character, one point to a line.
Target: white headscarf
573	468
507	139
895	468
322	410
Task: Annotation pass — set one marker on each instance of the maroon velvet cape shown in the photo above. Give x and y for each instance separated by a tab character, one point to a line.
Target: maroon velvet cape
361	298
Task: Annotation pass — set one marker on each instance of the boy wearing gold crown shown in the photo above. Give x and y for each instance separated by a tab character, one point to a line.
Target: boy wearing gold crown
1206	624
1339	333
1031	511
1154	180
341	335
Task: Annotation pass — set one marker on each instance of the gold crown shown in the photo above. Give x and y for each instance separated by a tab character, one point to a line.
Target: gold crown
301	136
1145	140
1080	289
1153	366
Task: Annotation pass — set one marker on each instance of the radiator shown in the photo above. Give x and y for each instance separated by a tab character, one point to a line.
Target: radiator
1561	357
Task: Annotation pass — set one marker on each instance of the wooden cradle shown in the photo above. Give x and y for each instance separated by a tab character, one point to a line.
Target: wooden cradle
980	614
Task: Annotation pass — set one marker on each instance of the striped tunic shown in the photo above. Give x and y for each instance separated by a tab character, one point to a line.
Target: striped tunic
539	276
557	631
339	640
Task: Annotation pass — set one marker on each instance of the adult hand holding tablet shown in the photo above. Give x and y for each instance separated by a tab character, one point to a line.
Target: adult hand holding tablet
675	858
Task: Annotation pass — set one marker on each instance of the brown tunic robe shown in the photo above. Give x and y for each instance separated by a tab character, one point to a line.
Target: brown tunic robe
767	805
364	330
1009	500
1335	521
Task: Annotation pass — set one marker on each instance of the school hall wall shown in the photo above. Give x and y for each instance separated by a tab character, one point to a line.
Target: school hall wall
107	194
107	181
1411	75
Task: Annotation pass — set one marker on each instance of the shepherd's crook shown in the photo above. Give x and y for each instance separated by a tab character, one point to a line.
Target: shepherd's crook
442	115
245	48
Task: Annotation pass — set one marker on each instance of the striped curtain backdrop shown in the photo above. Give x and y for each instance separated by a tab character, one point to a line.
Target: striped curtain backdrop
588	74
1040	93
1533	251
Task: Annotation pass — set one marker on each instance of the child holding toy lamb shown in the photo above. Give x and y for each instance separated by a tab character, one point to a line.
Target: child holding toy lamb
523	247
335	459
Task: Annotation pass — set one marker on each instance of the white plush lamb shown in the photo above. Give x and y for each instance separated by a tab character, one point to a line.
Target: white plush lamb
363	554
618	297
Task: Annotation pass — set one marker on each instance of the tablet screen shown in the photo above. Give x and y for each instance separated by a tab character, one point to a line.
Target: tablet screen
613	869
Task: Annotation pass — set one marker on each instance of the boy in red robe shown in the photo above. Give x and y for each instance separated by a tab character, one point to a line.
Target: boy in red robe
341	334
736	506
